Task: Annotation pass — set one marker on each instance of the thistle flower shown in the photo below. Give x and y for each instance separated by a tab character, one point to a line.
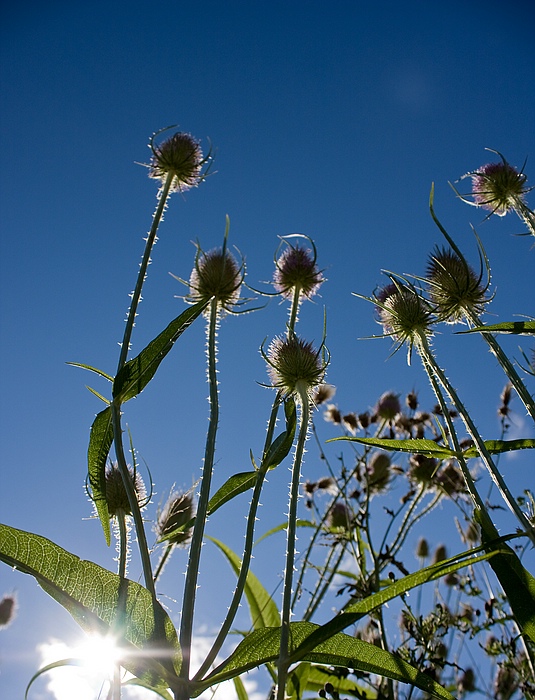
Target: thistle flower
296	271
294	367
179	156
116	496
403	313
454	287
216	275
351	422
178	511
422	469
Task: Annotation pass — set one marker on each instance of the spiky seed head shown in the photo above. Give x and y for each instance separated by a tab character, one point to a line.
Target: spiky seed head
451	480
351	422
178	510
296	270
181	156
116	496
422	469
379	472
388	406
422	548
332	414
454	287
8	607
440	554
339	516
403	313
323	393
498	187
216	275
294	366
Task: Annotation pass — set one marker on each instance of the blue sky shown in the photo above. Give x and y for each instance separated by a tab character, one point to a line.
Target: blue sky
327	119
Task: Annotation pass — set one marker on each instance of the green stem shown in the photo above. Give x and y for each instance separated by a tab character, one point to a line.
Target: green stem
190	588
132	499
136	296
247	552
294	310
476	437
163	559
290	544
507	365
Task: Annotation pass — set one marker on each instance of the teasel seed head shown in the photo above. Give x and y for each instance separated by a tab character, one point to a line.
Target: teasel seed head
178	510
180	156
454	287
294	366
296	270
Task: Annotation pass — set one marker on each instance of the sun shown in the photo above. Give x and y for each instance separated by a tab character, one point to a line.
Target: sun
98	653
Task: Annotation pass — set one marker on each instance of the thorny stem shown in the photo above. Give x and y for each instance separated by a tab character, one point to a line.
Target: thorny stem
136	295
163	559
434	370
247	553
116	408
290	544
507	365
132	499
190	588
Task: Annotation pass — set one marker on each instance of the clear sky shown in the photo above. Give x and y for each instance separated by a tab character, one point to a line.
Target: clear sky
330	119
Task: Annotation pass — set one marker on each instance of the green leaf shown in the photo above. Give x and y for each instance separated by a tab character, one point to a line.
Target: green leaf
101	603
284	526
497	446
517	583
264	612
318	676
92	369
100	440
137	373
429	448
282	445
353	612
262	646
240	689
515	327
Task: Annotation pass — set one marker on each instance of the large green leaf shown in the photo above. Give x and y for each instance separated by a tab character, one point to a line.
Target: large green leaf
264	611
514	327
100	440
280	447
353	612
137	373
262	647
517	583
313	678
100	602
429	448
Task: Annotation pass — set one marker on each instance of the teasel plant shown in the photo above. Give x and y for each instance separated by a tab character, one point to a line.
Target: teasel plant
460	295
500	188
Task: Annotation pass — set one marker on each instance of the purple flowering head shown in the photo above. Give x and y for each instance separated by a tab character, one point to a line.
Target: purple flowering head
179	157
296	271
498	187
